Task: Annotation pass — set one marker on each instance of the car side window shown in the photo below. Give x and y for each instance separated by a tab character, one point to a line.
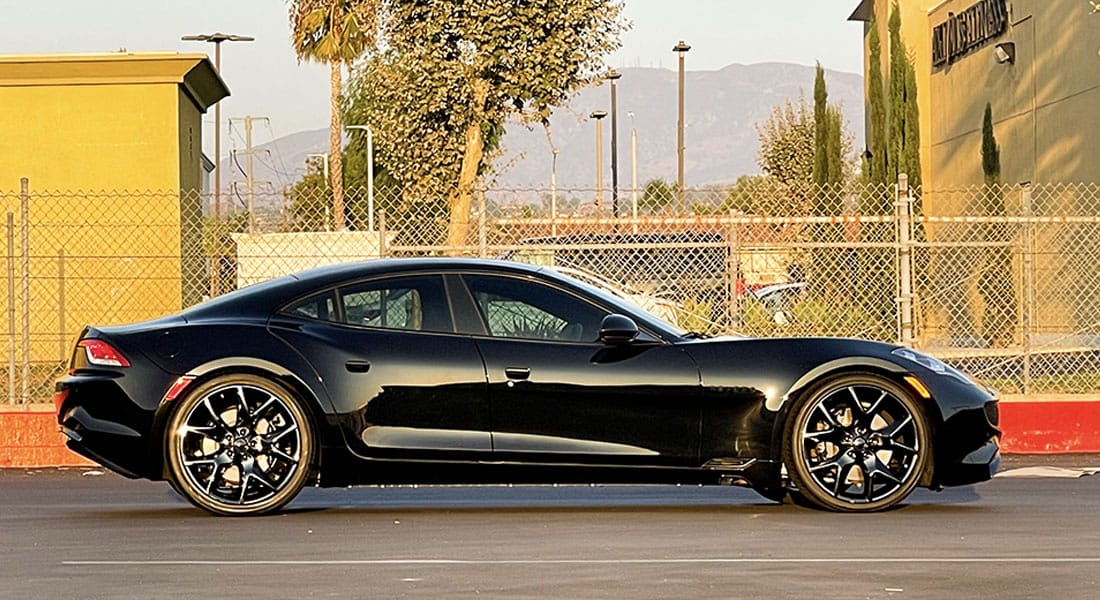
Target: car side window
408	303
319	307
517	308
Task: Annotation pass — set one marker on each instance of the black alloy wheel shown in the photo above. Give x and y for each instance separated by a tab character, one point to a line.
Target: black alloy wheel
856	443
239	445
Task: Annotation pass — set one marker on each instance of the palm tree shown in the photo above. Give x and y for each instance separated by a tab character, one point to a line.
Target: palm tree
334	32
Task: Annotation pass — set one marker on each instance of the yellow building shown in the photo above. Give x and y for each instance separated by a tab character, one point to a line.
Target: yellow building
1034	61
111	145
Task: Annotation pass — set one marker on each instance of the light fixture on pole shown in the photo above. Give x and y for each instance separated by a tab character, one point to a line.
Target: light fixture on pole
370	173
613	76
597	116
680	49
217	39
1005	52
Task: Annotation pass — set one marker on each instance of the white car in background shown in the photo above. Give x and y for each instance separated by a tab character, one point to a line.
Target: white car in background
662	308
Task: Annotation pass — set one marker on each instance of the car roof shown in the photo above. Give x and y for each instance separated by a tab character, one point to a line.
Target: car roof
262	297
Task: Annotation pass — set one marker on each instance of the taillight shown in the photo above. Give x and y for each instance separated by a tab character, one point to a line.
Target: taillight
102	354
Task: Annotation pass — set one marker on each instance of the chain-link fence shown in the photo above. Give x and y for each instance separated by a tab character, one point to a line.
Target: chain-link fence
999	280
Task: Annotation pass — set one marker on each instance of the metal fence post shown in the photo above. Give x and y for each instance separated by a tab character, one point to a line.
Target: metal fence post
24	224
903	213
1027	298
382	250
62	342
482	236
11	308
734	271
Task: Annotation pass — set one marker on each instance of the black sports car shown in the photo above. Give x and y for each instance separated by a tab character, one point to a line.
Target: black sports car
475	371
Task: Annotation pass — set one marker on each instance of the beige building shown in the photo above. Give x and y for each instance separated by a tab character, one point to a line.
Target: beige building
1034	61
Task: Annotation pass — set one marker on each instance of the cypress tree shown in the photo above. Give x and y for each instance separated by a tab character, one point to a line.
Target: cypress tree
911	132
821	130
877	165
896	103
991	154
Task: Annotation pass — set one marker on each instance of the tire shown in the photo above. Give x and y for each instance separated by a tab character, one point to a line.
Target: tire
239	445
856	443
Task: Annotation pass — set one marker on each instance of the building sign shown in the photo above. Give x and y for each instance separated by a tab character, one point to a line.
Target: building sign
961	33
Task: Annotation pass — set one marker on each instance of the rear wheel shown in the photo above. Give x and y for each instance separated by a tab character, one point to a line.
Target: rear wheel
856	443
239	445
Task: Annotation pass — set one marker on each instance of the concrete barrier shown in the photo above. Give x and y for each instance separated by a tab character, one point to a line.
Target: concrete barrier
1055	425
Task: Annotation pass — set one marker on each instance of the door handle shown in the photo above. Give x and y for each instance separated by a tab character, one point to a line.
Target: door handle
357	366
517	373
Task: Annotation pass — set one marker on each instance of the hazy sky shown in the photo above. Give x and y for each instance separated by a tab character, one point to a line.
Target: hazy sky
266	79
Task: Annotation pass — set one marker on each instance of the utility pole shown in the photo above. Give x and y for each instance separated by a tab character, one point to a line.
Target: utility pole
250	182
613	76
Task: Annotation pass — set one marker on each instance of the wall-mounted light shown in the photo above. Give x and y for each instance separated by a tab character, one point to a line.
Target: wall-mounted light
1005	52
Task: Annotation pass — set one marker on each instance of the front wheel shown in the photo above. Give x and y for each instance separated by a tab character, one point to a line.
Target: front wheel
239	445
856	443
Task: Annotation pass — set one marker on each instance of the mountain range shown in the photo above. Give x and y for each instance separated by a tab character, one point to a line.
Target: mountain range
722	109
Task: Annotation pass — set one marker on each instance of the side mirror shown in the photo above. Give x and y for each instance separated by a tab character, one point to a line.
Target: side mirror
618	329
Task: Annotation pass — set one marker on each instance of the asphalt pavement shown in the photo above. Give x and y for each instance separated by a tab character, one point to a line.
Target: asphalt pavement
87	534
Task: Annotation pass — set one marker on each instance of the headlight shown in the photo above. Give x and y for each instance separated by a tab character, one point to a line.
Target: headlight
932	364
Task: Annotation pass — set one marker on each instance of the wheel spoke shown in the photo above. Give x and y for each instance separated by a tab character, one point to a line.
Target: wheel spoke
259	411
243	404
278	436
870	414
217	473
893	429
829	418
283	455
845	464
824	435
218	420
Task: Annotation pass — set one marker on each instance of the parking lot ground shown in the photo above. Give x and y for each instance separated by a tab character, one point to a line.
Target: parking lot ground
77	534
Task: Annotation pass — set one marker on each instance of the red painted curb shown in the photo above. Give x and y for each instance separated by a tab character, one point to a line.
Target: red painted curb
29	439
1050	427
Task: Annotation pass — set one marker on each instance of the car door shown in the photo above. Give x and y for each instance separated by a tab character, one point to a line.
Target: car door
557	394
403	383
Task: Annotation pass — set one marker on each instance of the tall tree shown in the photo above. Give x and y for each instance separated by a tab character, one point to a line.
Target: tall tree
453	72
821	129
879	173
903	150
335	32
828	170
991	153
787	149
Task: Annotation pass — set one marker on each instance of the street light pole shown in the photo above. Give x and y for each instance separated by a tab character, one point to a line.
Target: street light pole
614	76
633	171
370	173
217	39
554	193
680	49
597	116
